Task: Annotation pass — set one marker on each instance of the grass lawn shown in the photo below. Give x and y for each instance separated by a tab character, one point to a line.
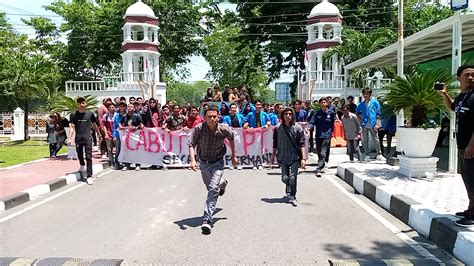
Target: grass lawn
16	152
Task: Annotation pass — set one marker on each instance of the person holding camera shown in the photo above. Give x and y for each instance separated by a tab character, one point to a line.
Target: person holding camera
288	147
463	106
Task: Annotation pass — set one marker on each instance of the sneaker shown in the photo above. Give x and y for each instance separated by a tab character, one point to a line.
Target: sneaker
82	168
206	228
124	168
137	168
165	168
254	168
89	181
222	186
260	167
462	214
466	221
231	167
380	157
239	167
292	199
318	173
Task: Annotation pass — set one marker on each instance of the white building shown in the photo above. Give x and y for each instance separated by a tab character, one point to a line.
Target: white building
140	75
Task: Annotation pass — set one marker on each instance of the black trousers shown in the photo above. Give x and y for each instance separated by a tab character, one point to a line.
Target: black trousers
382	134
311	140
467	172
87	148
322	147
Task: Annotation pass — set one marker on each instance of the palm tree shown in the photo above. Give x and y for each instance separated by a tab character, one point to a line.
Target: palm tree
68	105
415	95
357	45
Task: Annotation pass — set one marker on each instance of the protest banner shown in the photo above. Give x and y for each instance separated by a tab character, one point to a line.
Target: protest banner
155	146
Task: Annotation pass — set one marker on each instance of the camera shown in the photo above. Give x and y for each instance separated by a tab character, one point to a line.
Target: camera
438	86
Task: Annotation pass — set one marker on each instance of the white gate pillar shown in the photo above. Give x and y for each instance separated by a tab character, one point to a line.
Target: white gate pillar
19	124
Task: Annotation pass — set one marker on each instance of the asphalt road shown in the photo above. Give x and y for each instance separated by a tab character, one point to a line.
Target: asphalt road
155	216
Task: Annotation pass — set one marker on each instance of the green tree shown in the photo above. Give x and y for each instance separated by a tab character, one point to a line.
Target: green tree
183	93
24	79
366	16
357	45
231	64
418	15
95	35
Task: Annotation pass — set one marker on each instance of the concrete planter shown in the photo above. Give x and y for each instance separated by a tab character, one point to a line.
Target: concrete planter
418	142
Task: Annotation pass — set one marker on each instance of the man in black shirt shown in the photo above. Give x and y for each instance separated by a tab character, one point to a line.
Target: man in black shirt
132	121
81	122
352	105
463	106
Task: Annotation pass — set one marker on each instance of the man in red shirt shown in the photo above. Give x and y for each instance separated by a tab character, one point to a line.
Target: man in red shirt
193	119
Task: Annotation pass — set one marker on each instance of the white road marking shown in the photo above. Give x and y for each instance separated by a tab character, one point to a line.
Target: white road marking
393	228
31	207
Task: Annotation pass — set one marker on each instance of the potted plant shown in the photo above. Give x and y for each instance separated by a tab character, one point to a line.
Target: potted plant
415	95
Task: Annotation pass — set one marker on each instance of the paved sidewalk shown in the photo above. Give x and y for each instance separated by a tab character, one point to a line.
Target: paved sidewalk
22	183
425	204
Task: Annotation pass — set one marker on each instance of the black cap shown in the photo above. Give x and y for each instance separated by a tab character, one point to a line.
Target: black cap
80	99
122	103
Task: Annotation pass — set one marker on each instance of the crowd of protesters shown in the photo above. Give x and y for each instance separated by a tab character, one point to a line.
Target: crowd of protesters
237	110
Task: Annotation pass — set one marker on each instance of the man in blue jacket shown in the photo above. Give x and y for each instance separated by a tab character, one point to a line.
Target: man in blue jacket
300	113
259	118
275	115
234	119
369	113
323	120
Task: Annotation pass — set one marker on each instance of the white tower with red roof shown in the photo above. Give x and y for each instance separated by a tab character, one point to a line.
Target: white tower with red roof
324	26
141	51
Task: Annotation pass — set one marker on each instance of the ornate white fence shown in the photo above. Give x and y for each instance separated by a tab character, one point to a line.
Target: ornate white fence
6	124
12	125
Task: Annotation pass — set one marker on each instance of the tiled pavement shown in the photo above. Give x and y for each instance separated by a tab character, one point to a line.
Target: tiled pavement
425	204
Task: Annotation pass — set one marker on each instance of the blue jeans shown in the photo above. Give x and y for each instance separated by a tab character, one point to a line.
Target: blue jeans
289	174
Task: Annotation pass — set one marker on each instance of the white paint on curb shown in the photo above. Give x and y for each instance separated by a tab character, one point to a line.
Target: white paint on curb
358	182
383	195
96	168
341	171
464	246
420	219
2	206
71	178
37	191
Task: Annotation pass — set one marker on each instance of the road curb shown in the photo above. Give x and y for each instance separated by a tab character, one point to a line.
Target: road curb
438	228
34	192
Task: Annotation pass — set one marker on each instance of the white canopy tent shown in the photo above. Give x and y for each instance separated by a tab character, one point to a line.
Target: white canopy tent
449	37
